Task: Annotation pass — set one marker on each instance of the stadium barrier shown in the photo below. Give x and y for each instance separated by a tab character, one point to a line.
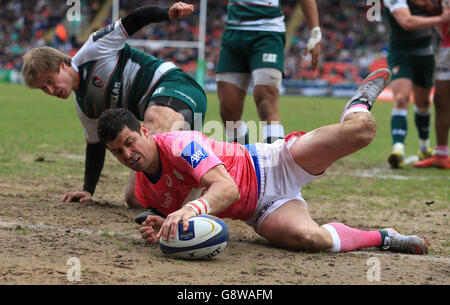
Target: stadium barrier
10	76
288	87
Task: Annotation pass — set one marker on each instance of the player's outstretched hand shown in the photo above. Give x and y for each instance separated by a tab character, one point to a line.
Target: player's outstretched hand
150	228
170	225
180	10
313	46
315	53
77	196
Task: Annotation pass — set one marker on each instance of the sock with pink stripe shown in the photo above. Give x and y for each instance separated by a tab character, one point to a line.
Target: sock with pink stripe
441	151
347	239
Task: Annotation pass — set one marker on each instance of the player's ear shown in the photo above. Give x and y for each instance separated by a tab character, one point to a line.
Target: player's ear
144	131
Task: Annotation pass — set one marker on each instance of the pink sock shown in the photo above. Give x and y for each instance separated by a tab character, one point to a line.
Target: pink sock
348	239
353	109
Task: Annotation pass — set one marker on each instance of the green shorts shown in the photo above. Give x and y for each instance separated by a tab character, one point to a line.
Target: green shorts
245	51
182	86
419	69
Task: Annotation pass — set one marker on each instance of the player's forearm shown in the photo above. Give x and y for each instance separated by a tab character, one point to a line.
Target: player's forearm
311	13
95	158
419	23
218	197
142	16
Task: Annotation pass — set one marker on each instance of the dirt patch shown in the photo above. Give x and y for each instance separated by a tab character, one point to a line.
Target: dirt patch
40	234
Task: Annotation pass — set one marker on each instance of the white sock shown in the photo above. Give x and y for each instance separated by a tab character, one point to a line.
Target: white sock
424	144
399	147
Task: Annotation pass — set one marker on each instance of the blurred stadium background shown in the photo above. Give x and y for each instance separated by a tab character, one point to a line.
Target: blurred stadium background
352	45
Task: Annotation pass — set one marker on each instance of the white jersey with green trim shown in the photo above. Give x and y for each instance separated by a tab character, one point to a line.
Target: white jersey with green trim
113	75
255	15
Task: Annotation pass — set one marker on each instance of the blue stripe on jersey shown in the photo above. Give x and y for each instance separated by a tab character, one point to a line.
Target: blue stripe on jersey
251	148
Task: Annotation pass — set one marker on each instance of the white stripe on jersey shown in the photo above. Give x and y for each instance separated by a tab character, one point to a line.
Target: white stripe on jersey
392	5
129	74
273	3
273	25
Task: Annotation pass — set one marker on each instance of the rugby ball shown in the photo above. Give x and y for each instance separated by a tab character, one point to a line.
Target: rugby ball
205	237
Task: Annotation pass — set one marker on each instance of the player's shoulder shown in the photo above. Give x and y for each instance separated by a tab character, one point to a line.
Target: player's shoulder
392	5
184	143
103	43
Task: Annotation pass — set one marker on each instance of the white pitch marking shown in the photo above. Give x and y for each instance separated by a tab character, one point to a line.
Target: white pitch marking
411	159
383	172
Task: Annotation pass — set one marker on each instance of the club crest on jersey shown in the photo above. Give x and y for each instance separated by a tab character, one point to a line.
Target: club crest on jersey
194	153
97	82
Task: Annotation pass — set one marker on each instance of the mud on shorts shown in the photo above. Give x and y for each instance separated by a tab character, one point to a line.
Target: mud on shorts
443	64
245	51
280	178
183	94
419	69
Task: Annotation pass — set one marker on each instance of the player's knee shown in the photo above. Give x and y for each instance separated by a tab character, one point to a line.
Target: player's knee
307	240
401	100
362	129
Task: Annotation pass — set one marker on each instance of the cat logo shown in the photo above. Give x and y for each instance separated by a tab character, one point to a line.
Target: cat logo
269	57
97	82
159	90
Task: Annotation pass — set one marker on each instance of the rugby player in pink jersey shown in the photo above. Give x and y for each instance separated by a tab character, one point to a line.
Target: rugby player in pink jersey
184	174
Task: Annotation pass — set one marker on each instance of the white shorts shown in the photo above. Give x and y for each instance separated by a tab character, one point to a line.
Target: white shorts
280	179
260	76
442	70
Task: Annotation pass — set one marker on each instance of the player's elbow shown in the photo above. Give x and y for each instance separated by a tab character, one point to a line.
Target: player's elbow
408	24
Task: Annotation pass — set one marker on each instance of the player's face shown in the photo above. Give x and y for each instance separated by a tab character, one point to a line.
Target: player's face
136	151
59	84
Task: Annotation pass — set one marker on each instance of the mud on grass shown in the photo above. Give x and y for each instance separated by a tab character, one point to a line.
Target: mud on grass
39	234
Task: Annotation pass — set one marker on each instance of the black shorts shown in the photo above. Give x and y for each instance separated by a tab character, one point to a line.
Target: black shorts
176	104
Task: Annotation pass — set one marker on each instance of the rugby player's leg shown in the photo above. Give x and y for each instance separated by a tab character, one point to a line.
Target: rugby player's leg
401	90
422	120
130	197
441	158
315	151
231	90
291	226
160	118
267	83
442	109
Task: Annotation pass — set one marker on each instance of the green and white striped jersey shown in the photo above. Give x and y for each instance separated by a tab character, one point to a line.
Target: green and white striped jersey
414	42
255	15
113	75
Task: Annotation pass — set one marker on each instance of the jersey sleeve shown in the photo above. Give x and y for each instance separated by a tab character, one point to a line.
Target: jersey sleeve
193	153
392	5
105	42
89	126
